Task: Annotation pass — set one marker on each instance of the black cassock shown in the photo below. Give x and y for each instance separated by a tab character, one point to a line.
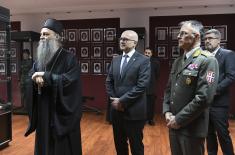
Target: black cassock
55	114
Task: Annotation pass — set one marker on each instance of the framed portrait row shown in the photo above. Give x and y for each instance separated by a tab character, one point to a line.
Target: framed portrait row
13	67
164	52
95	51
98	35
98	67
3	52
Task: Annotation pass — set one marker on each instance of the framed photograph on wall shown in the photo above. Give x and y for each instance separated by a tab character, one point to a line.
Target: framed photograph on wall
84	52
223	31
106	66
161	33
13	52
2	36
2	67
73	50
2	52
174	31
63	34
110	34
72	33
206	28
84	35
97	51
85	67
109	51
223	45
13	67
161	51
97	35
175	51
97	67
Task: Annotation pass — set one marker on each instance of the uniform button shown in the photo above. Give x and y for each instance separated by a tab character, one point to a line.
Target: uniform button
176	84
172	102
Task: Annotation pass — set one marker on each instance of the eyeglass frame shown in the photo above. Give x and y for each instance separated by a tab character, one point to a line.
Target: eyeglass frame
183	33
125	39
210	38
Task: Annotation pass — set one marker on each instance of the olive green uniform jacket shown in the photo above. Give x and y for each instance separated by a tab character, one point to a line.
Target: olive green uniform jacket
190	90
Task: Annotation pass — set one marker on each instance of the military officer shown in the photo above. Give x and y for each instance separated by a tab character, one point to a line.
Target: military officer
190	89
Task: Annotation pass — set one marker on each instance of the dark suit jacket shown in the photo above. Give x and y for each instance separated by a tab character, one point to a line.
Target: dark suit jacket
155	66
190	90
130	88
226	60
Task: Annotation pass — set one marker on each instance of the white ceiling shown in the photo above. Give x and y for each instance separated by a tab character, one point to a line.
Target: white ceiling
52	6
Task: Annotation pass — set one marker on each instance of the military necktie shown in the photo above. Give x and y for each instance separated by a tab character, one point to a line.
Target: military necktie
124	64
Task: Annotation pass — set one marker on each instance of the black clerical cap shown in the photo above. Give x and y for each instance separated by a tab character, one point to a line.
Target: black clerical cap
53	25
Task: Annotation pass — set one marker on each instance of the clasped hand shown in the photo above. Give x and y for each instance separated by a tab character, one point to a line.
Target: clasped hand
37	78
116	104
171	122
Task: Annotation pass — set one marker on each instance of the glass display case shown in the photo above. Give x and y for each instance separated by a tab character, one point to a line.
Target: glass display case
5	78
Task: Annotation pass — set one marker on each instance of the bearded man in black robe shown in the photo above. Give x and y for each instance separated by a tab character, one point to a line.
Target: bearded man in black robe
55	100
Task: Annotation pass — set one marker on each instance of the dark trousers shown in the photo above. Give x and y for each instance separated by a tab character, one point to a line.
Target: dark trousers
127	130
185	145
150	107
218	127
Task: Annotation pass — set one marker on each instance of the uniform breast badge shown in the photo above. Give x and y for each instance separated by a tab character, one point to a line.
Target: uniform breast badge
188	81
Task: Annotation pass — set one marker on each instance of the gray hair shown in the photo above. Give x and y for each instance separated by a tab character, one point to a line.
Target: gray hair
196	25
215	32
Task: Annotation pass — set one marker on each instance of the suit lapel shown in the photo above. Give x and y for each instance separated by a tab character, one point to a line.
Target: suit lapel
218	54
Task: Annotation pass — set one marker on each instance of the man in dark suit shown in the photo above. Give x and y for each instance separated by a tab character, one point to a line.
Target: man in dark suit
126	82
190	89
219	109
151	89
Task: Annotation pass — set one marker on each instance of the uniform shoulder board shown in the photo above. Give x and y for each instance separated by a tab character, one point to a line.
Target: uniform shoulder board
206	53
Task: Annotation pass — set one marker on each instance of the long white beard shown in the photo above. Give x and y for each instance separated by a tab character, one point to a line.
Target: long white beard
45	51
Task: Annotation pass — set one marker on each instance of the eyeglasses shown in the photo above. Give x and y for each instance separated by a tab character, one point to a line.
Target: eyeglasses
125	39
183	33
210	38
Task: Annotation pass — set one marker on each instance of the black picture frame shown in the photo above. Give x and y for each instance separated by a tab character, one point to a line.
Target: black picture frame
223	45
85	66
207	28
2	36
13	67
97	67
85	52
64	34
84	35
161	51
97	52
13	52
109	51
97	35
175	51
223	31
2	52
107	64
73	50
174	31
72	35
2	67
110	34
161	33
